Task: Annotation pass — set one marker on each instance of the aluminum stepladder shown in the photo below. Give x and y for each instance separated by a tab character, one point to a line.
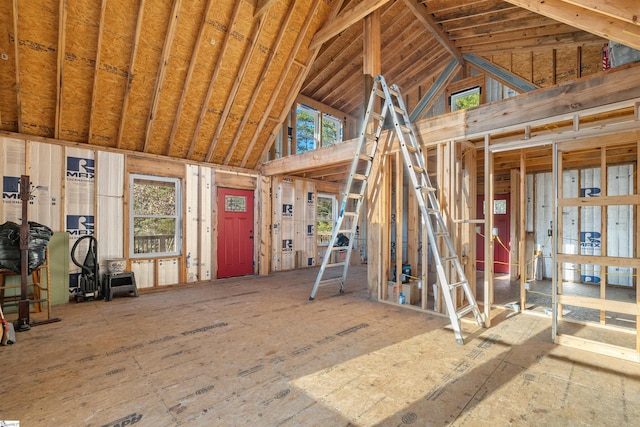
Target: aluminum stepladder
354	193
450	271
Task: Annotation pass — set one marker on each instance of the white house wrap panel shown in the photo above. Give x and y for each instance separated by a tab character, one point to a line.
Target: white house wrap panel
620	224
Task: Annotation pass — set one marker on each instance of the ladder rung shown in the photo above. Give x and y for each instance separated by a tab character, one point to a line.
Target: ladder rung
348	214
370	136
448	258
394	92
365	157
336	264
359	176
398	110
457	284
441	233
405	129
412	149
348	230
464	311
380	93
418	169
354	196
331	281
377	116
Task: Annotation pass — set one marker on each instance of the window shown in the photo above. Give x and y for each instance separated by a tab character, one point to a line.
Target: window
307	127
326	218
331	130
465	99
315	129
155	216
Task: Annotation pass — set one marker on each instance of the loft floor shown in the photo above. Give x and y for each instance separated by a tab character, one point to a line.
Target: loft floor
254	351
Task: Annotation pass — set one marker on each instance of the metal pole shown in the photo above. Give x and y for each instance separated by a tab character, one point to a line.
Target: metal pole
23	304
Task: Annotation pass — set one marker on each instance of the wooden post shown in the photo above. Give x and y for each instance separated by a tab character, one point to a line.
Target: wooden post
603	231
398	214
23	304
522	234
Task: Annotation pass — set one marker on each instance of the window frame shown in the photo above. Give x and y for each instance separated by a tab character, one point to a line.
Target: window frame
177	184
334	216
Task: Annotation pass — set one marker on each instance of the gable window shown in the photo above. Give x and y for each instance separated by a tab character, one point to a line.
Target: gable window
155	216
307	128
316	129
465	99
331	130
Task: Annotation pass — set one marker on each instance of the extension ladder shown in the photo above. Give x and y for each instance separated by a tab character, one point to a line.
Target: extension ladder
449	269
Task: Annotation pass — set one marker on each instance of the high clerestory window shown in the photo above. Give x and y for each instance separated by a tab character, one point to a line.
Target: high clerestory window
315	129
465	99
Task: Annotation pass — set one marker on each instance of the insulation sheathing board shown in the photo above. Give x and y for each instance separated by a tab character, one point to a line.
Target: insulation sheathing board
570	237
620	224
144	270
192	219
110	194
529	204
206	218
79	214
294	224
590	228
543	217
287	224
13	166
168	271
45	172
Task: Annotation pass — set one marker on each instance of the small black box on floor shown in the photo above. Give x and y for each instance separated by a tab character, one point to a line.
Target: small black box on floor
118	282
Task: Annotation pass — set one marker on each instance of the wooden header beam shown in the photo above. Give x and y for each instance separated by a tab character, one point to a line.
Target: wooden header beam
335	26
606	19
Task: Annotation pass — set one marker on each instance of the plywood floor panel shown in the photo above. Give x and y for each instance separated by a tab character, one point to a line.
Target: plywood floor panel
254	351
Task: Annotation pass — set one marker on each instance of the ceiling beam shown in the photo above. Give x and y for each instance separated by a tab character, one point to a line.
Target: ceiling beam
62	33
436	89
335	26
262	7
281	80
96	71
257	91
162	72
434	28
231	98
589	19
214	78
187	80
132	60
510	79
16	45
619	9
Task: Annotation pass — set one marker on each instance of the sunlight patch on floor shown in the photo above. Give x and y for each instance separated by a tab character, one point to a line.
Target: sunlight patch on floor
368	389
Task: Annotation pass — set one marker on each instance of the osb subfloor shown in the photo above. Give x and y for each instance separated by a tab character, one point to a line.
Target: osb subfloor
255	351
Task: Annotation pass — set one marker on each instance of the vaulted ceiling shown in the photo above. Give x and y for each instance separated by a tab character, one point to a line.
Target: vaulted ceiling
212	80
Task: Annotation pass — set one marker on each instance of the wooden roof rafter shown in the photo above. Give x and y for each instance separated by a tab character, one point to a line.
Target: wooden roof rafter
263	76
338	24
295	89
187	80
588	15
281	80
248	54
430	24
135	43
94	92
262	7
16	45
162	72
62	27
214	78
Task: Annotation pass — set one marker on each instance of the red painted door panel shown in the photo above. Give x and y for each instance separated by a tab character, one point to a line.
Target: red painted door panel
235	232
501	256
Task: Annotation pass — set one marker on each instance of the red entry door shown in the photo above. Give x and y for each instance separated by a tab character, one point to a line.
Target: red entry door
501	256
235	232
